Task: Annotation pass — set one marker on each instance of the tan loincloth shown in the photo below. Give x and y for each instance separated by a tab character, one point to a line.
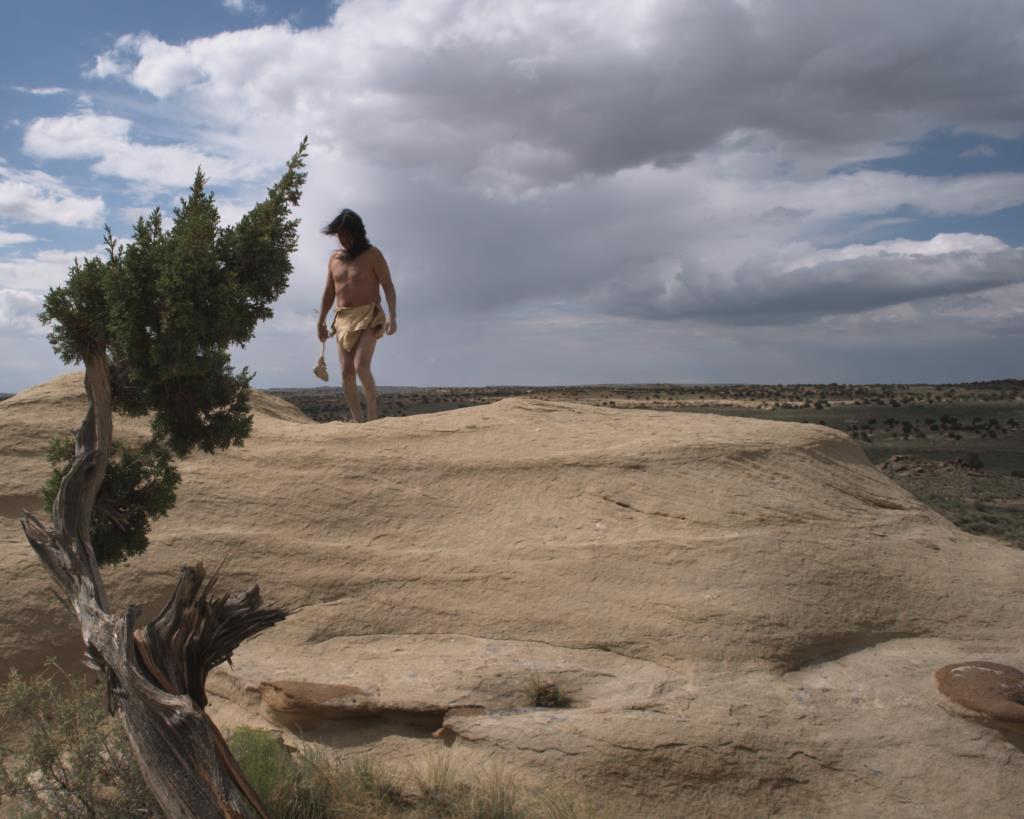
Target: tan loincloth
349	322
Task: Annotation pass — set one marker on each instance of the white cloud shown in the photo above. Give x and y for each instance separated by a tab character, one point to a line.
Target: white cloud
82	135
37	197
244	5
47	91
25	356
106	138
942	244
115	61
19	310
8	238
42	270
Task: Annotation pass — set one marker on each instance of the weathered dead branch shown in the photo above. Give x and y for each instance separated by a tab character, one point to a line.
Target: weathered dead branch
156	675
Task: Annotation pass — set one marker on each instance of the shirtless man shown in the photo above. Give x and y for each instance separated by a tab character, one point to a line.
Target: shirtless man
355	275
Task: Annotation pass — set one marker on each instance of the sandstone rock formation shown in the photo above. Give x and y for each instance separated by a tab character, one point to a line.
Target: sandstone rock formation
746	615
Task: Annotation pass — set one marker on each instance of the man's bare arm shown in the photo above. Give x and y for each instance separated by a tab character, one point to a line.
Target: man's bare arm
325	305
380	267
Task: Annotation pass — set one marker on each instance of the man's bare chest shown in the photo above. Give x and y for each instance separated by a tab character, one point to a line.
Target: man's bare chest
354	273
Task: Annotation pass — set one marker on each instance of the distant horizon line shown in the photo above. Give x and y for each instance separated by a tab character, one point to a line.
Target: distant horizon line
641	384
649	384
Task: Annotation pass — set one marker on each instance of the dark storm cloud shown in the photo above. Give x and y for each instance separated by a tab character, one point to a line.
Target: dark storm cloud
511	96
659	86
668	159
758	295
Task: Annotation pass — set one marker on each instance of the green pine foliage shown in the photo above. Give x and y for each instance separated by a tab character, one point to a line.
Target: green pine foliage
140	485
166	308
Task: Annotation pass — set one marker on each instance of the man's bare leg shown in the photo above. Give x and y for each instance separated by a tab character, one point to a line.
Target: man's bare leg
363	356
348	383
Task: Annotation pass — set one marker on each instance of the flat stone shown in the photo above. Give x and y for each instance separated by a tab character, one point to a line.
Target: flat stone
991	689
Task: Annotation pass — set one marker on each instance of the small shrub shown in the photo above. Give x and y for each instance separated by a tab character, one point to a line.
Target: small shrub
62	755
972	460
544	692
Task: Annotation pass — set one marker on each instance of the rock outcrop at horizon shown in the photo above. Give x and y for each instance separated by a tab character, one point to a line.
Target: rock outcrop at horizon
746	615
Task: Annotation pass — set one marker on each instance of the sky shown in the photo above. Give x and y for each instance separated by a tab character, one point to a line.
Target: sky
566	191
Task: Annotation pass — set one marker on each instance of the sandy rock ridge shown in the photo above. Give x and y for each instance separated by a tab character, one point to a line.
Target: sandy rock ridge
745	614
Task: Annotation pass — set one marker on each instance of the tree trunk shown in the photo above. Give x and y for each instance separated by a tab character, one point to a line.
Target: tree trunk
156	676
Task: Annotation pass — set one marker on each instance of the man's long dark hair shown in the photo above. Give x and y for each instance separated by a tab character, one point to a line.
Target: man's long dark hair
350	222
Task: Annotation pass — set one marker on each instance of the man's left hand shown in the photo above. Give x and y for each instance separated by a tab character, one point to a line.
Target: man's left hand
391	326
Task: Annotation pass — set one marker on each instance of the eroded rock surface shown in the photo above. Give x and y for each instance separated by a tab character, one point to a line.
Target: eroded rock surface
746	615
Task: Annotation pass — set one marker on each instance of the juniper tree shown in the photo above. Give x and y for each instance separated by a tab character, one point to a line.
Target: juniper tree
153	323
165	310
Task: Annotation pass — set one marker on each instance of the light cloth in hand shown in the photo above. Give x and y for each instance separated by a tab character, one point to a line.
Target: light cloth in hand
320	370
